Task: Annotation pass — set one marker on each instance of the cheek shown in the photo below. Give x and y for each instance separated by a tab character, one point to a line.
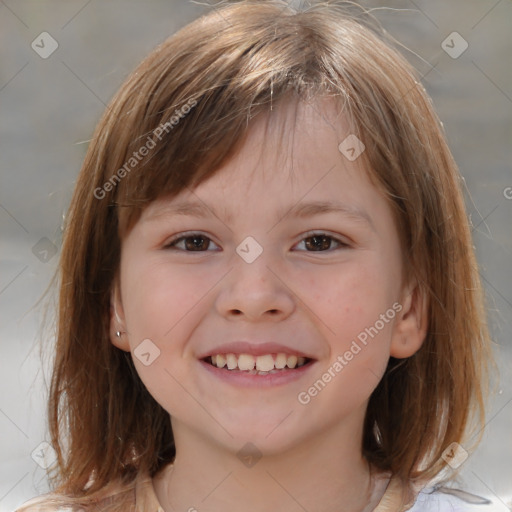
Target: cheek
156	298
157	303
357	318
351	299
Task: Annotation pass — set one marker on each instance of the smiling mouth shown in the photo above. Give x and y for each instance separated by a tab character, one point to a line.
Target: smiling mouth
257	365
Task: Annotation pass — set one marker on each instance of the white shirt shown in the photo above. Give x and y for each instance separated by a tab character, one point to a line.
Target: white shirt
432	499
452	500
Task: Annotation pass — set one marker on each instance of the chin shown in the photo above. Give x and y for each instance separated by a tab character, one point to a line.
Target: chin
268	438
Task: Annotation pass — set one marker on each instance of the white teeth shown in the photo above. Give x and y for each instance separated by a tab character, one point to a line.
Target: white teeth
263	363
232	361
260	365
280	361
291	362
246	362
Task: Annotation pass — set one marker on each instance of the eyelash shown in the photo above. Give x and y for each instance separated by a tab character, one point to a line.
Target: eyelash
192	234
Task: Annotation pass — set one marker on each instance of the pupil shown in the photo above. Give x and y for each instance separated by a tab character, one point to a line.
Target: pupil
317	238
196	242
319	242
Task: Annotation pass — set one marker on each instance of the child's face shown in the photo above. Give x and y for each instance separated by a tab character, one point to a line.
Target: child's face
318	303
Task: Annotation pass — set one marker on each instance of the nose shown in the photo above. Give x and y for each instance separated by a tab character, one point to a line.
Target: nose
255	292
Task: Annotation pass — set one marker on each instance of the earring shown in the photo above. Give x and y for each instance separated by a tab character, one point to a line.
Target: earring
118	334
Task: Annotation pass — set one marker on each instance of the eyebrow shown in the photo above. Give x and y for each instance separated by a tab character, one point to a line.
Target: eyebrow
300	210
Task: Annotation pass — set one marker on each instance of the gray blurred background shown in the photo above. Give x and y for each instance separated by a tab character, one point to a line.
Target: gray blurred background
53	89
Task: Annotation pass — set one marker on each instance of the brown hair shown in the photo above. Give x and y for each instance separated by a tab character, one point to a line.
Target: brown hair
231	65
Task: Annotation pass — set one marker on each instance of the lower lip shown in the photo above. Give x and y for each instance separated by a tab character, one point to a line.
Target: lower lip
245	379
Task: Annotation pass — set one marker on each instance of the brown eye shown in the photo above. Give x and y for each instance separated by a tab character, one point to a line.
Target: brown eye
321	242
195	242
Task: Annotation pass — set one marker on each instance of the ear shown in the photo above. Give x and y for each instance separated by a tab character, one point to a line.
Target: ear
411	325
117	320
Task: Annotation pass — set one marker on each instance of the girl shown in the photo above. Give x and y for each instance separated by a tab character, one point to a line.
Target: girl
268	292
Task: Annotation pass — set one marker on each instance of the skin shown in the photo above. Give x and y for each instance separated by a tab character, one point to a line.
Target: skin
318	301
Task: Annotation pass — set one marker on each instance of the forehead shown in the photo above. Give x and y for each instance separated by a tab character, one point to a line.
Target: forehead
289	164
292	147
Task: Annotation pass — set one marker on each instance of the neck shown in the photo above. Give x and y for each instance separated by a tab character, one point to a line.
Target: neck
318	474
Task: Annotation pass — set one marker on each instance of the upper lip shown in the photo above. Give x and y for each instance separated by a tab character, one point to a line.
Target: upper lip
255	349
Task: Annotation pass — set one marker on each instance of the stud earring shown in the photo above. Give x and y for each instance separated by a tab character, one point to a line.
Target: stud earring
118	334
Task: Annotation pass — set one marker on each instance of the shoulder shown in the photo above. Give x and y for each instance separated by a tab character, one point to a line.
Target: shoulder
42	504
444	499
113	497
